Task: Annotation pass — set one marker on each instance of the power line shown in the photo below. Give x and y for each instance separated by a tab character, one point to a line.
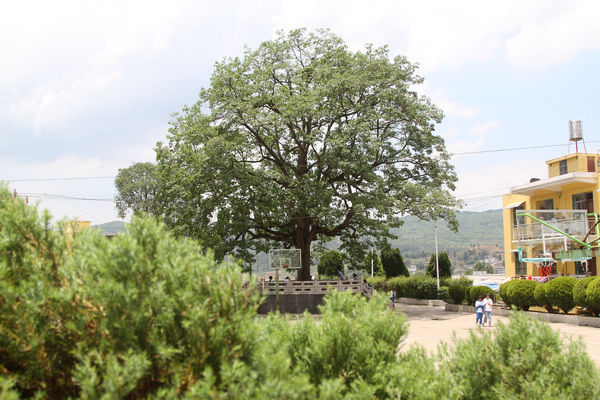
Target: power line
514	148
59	179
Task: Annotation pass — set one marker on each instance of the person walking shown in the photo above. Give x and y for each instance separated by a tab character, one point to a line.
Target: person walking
479	311
393	298
487	309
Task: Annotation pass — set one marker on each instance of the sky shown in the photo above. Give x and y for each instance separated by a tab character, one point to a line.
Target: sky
89	87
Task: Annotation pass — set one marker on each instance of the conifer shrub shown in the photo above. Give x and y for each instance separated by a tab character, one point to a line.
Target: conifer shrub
525	359
560	292
580	291
477	291
521	293
82	315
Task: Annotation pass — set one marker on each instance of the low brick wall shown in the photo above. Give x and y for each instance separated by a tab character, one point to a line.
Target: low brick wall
556	318
419	302
292	303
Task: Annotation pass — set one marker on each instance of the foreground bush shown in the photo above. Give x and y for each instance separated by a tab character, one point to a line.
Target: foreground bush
560	292
525	359
84	316
521	293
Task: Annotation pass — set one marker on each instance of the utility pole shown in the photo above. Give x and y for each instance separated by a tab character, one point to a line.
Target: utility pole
372	261
437	264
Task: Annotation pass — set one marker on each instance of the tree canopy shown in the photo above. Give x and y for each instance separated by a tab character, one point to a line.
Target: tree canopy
444	264
330	263
136	187
303	139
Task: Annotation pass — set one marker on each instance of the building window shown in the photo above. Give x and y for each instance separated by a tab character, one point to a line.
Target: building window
517	210
520	267
584	201
562	166
547	204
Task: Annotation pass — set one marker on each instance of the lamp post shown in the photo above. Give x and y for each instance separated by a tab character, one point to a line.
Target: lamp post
437	264
372	255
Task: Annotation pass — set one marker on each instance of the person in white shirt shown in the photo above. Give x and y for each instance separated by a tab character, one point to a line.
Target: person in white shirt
487	309
478	310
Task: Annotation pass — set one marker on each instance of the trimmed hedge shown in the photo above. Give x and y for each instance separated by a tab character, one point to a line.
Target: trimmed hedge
459	289
503	291
593	296
560	292
476	291
421	287
399	285
444	293
540	297
580	289
521	293
378	283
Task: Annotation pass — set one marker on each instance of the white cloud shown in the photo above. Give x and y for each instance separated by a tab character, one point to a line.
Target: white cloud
553	32
451	108
481	128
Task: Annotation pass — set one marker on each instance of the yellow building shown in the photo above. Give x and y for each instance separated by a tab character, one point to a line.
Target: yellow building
572	184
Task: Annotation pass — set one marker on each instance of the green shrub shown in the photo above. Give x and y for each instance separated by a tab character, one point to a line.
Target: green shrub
580	289
522	293
421	287
118	318
503	292
477	291
525	359
593	296
540	297
459	289
378	283
399	285
444	293
559	292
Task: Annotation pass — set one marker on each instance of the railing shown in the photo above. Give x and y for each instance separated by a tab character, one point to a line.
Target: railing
316	287
536	231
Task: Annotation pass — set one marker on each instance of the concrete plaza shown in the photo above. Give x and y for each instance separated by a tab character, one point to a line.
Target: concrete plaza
431	325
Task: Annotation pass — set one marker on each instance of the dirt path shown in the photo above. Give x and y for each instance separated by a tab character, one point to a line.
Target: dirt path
430	325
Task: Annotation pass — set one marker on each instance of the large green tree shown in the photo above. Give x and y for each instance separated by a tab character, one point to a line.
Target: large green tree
302	139
136	187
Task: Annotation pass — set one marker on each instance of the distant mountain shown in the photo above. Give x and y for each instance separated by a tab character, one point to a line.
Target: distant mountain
477	230
480	236
111	228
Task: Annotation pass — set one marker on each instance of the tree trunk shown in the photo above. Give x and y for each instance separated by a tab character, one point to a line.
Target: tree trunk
304	272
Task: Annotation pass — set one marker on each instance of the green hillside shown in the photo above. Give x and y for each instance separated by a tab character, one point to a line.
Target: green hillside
480	236
477	230
111	228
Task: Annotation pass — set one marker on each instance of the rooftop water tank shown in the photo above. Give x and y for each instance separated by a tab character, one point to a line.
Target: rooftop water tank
575	131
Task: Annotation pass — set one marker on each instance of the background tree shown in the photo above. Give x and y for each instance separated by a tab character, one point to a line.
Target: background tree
136	189
303	140
330	263
392	262
444	265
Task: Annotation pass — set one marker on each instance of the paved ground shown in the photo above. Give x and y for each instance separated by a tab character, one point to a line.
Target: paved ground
430	325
